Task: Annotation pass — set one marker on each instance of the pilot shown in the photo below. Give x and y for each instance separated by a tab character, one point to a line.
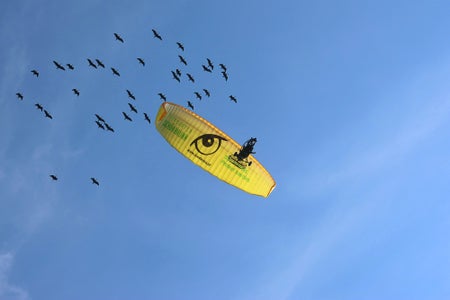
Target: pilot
247	149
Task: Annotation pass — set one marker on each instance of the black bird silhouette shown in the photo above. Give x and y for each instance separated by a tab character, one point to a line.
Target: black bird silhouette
58	66
91	63
76	92
35	73
180	45
109	128
130	95
182	60
224	68
210	64
118	37
100	125
53	177
225	75
206	92
20	96
133	109
206	69
99	63
162	96
233	98
99	118
175	76
197	94
115	72
147	118
156	34
94	181
190	77
178	72
190	105
141	61
126	117
47	114
70	66
40	107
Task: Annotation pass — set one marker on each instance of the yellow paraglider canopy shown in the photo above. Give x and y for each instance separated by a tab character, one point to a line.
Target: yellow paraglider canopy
211	149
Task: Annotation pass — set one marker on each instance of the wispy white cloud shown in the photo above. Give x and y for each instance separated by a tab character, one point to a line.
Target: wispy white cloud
74	153
403	141
22	186
305	255
426	110
9	291
41	151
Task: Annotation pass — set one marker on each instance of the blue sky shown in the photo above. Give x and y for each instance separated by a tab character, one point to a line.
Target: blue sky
350	103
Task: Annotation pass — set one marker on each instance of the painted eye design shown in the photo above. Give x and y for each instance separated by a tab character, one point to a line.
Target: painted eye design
208	144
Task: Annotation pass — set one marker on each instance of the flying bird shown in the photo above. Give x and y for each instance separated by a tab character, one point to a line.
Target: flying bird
206	92
99	118
130	95
210	64
190	105
180	46
233	98
178	72
70	66
224	68
35	73
99	63
206	69
127	117
99	125
109	128
53	177
162	96
141	61
115	72
190	77
91	63
40	107
182	60
133	109
47	114
20	96
156	34
225	75
58	66
175	76
197	94
118	37
147	118
94	181
76	92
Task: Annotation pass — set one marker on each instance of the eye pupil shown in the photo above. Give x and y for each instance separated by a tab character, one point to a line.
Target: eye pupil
208	142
